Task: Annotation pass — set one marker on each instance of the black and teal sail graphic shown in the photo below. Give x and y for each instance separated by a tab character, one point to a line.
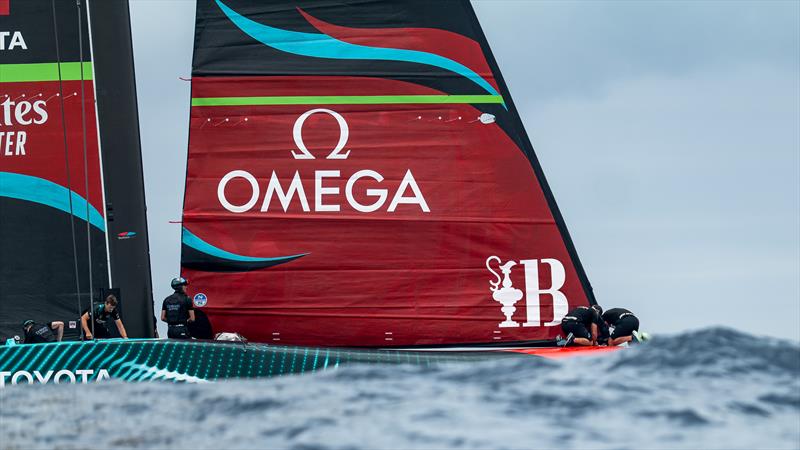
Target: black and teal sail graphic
321	45
200	255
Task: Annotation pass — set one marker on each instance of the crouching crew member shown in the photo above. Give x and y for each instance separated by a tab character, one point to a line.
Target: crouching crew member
36	333
102	314
625	324
178	310
603	334
581	323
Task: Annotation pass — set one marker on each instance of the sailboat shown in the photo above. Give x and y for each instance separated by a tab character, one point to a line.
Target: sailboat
359	188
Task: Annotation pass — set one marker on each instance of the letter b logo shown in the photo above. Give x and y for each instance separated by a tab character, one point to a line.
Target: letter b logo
533	291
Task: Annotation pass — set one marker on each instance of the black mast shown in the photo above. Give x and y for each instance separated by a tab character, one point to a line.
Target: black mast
115	86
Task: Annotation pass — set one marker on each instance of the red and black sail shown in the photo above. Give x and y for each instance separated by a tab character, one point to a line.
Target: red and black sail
61	203
357	175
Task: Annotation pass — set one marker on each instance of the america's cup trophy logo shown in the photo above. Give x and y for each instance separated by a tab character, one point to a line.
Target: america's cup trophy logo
506	295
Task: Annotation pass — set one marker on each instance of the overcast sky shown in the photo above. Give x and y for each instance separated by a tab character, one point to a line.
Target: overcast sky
668	131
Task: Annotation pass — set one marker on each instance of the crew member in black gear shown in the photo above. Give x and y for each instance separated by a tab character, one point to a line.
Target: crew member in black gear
201	327
603	333
624	323
178	310
36	333
102	314
581	322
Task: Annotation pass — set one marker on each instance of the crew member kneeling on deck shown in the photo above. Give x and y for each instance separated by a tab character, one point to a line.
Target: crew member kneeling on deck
103	312
37	333
625	324
581	323
178	310
603	334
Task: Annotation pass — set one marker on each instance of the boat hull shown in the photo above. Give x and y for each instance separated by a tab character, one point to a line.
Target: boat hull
140	360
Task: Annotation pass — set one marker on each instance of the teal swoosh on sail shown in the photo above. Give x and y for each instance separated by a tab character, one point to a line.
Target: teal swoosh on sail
324	46
190	239
45	192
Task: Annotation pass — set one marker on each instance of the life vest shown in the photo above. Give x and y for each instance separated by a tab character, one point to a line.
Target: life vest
176	311
39	333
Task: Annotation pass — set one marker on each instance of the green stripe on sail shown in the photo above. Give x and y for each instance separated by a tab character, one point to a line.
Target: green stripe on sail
346	100
70	71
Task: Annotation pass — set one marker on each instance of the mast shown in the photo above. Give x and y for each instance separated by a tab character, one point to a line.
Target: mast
123	178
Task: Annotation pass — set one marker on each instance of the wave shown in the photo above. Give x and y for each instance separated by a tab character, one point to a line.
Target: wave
716	351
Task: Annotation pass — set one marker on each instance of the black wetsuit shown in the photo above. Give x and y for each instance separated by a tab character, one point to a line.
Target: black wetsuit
39	334
176	308
579	322
101	318
602	331
623	321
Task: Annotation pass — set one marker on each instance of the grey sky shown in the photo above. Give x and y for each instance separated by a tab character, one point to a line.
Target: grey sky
669	133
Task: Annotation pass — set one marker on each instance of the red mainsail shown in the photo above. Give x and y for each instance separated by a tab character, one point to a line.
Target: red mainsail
358	176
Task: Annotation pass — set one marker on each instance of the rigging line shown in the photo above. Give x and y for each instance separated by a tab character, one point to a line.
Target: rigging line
66	163
85	166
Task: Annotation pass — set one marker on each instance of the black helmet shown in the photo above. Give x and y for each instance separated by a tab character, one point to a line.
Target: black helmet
27	323
598	308
178	282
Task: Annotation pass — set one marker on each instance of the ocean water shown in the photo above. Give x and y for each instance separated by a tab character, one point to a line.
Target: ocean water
715	388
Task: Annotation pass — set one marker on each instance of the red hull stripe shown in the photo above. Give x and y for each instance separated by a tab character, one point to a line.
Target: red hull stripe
565	352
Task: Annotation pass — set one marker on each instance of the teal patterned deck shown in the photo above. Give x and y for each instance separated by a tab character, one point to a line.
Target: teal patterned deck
191	361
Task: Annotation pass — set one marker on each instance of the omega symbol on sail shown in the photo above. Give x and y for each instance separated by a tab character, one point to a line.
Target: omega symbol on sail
504	292
297	134
326	195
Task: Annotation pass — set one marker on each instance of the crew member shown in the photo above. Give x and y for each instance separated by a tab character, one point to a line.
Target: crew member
603	333
36	333
178	310
102	313
581	323
625	324
201	327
